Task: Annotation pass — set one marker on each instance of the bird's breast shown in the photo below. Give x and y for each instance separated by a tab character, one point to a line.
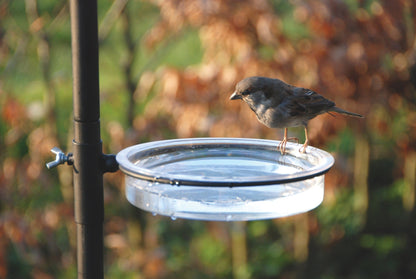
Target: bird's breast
274	118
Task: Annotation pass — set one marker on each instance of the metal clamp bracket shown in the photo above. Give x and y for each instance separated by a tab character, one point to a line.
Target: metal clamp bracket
109	160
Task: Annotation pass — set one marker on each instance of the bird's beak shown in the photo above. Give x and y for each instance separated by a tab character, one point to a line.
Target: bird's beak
235	96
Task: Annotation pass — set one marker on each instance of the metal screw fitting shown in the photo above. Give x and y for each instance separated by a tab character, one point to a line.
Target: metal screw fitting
60	158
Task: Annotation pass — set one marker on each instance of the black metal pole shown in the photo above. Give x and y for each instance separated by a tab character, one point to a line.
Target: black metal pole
87	147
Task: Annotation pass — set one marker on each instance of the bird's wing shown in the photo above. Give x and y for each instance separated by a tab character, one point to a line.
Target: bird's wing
305	102
281	95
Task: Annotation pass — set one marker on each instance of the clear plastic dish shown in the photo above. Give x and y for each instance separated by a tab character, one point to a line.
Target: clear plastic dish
223	179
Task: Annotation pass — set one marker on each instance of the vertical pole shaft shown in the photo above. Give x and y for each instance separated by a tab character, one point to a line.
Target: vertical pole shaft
87	147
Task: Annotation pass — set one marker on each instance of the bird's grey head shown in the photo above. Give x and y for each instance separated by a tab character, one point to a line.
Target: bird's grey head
256	91
248	86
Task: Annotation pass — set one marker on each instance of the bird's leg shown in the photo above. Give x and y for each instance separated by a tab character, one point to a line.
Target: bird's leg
282	145
303	148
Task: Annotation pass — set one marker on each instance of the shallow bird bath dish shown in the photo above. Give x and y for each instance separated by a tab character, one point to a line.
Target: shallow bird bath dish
223	179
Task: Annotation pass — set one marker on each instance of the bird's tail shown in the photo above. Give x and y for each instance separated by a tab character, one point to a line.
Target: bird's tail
338	110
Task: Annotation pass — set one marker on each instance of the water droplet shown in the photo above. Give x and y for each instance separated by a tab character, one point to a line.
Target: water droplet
173	217
147	204
154	213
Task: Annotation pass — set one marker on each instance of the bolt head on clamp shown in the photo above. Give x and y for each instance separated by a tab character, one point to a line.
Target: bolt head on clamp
60	158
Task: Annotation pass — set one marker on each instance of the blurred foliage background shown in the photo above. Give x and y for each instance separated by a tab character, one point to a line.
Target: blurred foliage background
167	69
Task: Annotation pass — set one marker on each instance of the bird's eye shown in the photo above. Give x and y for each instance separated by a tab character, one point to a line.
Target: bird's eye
245	92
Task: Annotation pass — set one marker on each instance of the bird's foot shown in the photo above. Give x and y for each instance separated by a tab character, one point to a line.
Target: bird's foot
303	148
294	139
282	145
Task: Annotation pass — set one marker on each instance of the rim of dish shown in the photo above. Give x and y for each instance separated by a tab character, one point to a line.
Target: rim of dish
325	161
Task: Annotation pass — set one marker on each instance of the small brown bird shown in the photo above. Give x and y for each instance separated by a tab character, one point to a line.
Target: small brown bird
281	105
